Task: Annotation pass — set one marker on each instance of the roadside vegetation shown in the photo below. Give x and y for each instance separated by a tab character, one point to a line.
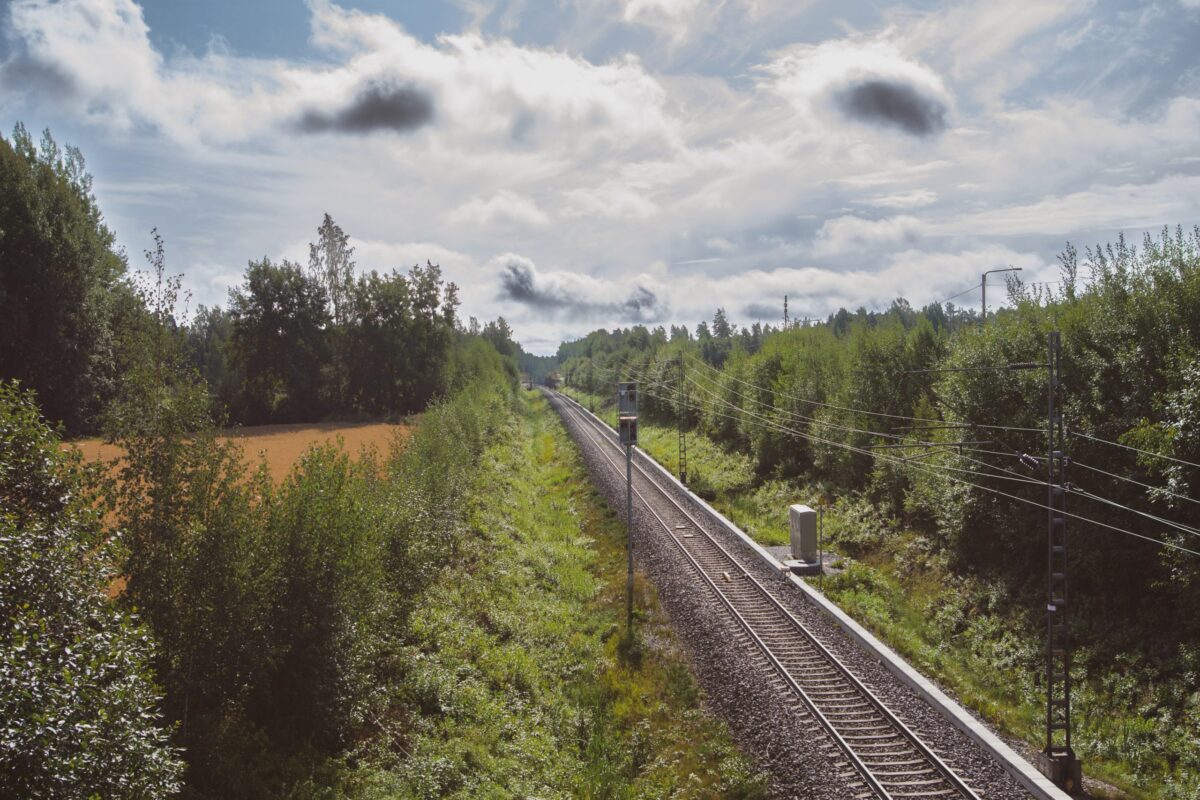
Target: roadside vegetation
434	615
521	681
252	643
941	566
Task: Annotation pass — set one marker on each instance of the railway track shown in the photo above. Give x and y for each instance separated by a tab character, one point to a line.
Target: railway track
878	755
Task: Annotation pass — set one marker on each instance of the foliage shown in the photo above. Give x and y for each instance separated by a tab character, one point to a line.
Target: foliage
280	608
517	685
61	290
331	266
380	349
294	344
77	696
280	322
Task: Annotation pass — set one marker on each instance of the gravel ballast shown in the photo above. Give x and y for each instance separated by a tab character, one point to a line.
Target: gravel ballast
740	685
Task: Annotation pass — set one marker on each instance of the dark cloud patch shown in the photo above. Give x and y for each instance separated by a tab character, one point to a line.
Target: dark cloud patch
899	105
377	108
763	312
518	282
39	78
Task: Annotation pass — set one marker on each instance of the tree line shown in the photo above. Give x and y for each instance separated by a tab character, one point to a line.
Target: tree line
293	344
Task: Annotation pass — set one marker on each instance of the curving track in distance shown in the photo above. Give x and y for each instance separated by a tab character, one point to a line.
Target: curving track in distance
879	756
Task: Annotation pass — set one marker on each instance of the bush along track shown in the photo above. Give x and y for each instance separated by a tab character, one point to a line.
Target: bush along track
522	683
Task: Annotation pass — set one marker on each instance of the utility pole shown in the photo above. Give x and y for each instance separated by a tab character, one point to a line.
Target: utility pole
785	313
627	427
1058	759
1057	762
983	287
679	418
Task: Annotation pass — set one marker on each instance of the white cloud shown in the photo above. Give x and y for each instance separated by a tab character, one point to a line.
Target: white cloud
482	90
975	36
913	199
504	207
570	295
677	174
815	292
670	17
1173	200
851	233
610	200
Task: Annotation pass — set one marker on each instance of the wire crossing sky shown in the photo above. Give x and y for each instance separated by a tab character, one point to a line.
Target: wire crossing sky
610	162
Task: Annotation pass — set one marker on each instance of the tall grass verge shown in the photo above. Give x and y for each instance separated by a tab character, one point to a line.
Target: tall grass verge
519	683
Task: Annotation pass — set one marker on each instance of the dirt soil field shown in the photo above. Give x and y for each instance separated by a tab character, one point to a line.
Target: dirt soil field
280	445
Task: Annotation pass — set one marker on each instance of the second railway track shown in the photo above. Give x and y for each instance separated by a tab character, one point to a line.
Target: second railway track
880	756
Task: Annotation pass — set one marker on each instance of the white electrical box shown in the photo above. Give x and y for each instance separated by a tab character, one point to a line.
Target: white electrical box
803	523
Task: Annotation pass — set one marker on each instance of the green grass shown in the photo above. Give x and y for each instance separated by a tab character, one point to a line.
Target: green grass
522	682
960	631
713	472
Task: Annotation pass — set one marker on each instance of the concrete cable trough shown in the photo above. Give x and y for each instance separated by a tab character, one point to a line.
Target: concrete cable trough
875	752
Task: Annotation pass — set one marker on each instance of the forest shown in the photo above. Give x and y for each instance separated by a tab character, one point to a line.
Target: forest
925	433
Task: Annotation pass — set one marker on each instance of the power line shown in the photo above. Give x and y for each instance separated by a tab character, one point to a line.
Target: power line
796	415
1014	476
856	410
1178	525
960	294
1137	483
907	460
928	469
1134	449
865	451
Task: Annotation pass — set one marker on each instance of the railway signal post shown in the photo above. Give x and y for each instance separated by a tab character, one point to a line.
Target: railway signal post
627	426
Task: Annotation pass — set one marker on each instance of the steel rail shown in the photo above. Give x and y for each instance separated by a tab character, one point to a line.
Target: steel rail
747	627
935	765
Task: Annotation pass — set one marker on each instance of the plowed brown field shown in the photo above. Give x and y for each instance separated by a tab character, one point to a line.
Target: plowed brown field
280	445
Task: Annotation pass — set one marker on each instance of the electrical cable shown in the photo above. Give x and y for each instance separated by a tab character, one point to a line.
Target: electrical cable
1178	525
872	453
1012	476
1135	449
960	294
1167	492
853	410
926	468
906	459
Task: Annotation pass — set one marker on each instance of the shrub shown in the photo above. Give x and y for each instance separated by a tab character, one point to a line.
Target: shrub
79	705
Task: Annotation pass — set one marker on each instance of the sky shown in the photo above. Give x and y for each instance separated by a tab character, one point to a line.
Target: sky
575	164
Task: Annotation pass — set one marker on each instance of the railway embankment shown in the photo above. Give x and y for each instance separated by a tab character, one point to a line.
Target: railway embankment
744	686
